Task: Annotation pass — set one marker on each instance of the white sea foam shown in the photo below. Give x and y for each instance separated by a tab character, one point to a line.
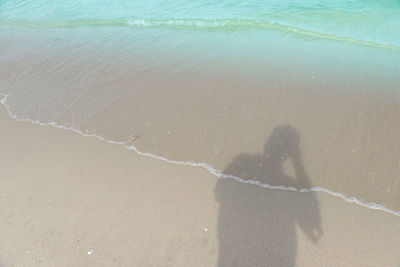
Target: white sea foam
219	174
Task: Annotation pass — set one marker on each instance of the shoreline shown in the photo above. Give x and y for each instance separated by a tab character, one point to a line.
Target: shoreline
186	104
210	169
199	134
100	204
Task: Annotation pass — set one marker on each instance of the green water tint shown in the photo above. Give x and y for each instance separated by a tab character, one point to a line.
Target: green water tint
361	22
203	24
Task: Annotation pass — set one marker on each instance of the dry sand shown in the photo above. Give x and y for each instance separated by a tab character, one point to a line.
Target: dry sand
70	200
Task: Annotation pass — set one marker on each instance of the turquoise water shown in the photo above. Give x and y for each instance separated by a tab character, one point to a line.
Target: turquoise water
372	23
360	35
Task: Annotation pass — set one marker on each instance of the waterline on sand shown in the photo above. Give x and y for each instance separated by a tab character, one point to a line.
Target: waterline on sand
209	168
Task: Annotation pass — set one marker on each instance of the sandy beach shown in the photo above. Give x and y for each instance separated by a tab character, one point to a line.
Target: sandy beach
348	123
199	133
70	200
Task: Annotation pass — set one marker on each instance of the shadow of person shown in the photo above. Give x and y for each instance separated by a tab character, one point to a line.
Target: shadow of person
257	225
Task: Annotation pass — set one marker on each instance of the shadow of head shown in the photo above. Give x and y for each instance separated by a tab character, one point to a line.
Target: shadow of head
268	168
283	143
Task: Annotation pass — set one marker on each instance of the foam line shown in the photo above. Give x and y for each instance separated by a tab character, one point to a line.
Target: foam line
202	24
209	168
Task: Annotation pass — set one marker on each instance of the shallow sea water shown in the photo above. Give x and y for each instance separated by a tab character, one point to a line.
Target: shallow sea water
206	82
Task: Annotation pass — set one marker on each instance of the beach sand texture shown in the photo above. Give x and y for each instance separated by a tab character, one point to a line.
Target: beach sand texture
69	200
208	108
199	133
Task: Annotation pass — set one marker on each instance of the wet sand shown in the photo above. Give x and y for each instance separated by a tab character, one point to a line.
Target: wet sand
68	200
348	122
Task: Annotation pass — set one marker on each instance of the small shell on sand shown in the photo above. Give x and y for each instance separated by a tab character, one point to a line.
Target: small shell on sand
132	138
